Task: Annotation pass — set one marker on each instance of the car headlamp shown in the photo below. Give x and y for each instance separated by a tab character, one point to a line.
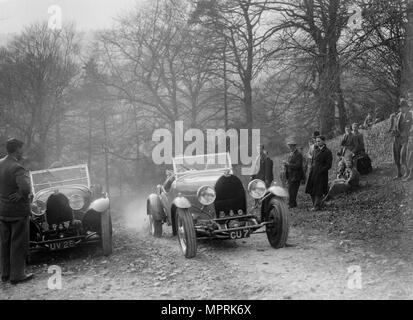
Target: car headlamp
257	189
206	195
35	210
76	202
38	208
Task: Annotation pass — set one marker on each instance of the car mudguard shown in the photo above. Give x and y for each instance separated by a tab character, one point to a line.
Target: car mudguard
182	202
274	194
100	205
278	191
155	203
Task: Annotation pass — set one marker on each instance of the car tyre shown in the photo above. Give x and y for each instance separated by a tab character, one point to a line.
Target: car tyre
106	232
277	231
155	226
186	233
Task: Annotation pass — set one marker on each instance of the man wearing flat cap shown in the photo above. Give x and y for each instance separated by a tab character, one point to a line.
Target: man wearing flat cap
401	124
294	171
14	214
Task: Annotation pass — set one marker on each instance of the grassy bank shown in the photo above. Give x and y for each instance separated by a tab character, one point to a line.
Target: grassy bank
379	214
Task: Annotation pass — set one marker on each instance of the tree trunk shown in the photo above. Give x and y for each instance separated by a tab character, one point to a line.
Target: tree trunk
407	88
105	133
89	147
248	103
138	166
326	103
225	88
59	142
342	113
330	93
120	182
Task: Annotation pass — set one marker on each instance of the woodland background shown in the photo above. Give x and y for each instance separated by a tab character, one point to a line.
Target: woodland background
285	67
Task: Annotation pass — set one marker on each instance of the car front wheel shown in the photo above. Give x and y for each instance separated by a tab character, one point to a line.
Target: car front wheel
106	232
186	233
278	227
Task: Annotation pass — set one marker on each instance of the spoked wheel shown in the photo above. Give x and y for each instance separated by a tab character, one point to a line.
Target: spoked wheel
277	230
106	232
155	226
186	233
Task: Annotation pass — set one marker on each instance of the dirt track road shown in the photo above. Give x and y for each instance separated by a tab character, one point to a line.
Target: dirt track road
141	267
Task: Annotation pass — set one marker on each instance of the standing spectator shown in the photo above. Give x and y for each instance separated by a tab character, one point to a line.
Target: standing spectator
312	145
347	144
14	214
317	184
358	151
392	128
263	167
294	172
409	176
305	166
401	124
368	122
358	141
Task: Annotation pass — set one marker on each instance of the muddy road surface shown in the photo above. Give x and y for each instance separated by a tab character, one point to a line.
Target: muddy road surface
312	266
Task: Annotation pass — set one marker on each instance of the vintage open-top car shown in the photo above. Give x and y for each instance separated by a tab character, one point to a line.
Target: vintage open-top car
66	211
203	199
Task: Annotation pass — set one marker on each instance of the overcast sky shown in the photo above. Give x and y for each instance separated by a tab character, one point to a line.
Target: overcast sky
87	14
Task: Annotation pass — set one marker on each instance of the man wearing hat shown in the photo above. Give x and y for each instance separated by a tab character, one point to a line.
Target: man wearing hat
401	124
294	171
263	167
317	184
14	214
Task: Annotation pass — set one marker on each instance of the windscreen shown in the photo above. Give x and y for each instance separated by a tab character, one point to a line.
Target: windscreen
219	161
44	179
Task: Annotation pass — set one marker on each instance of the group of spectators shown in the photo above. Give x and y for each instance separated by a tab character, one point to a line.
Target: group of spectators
353	161
319	160
353	149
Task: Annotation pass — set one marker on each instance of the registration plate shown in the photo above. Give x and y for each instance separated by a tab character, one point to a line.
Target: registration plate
62	245
239	234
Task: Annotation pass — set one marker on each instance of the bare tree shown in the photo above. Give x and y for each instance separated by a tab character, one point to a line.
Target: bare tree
241	25
408	69
312	28
39	70
150	59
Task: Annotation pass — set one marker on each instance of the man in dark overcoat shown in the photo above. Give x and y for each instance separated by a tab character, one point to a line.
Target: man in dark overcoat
317	184
14	214
263	167
294	171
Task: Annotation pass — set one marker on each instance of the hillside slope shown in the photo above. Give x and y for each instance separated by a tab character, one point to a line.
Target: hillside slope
378	215
378	144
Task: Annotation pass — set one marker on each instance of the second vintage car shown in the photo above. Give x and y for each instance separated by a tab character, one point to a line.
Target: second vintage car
67	211
203	199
